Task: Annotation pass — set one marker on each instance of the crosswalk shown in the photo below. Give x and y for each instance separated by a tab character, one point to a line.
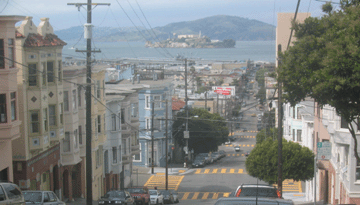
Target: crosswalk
235	155
159	181
291	185
241	145
242	136
220	171
202	195
233	133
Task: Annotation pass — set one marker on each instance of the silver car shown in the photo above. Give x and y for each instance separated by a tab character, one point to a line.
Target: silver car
10	194
42	198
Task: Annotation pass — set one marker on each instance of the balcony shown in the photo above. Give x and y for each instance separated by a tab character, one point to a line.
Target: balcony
126	159
135	149
70	158
56	134
10	131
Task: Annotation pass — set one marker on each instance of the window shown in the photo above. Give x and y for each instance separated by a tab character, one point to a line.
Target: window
157	101
157	124
79	96
59	71
12	191
298	114
32	74
147	125
124	145
45	121
34	122
147	101
3	112
134	110
99	124
74	100
76	145
122	115
11	50
80	135
137	157
44	78
52	115
66	100
293	112
13	105
50	72
344	123
61	115
2	53
114	152
357	173
66	147
113	122
98	89
97	158
299	135
293	133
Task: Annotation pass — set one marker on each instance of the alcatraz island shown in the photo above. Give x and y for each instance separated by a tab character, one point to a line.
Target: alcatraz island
191	41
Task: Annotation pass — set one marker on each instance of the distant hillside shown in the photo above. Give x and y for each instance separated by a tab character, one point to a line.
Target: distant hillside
215	27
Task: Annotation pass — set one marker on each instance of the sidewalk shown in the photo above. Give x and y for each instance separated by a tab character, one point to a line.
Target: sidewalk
173	169
80	201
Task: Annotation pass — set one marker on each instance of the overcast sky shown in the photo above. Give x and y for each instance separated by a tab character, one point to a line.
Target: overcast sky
157	12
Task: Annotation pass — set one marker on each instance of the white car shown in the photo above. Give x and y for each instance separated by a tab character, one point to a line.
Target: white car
156	197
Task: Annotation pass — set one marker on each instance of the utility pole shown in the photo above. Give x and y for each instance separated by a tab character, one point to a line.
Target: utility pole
205	100
166	144
280	131
217	103
87	36
186	133
152	137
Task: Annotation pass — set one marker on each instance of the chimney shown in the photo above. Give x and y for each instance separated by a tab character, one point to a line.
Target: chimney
45	27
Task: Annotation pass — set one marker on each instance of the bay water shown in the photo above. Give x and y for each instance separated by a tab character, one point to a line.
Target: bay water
244	50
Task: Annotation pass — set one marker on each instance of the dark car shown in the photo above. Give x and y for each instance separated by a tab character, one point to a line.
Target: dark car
252	201
41	198
168	197
247	153
10	194
175	195
117	197
222	153
215	156
257	190
198	163
140	194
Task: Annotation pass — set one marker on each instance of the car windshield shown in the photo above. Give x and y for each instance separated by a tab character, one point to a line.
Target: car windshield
260	192
32	196
153	192
165	192
136	190
115	194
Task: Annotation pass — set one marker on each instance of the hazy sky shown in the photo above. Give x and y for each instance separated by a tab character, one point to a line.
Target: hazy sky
157	12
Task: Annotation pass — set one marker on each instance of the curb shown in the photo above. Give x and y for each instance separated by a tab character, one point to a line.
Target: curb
187	172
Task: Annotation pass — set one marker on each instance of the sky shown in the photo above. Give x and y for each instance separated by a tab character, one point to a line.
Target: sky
140	13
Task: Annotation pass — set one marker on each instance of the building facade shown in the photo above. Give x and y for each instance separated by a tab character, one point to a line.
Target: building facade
9	95
36	153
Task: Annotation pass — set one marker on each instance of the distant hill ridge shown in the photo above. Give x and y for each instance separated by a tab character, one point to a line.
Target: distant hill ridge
218	27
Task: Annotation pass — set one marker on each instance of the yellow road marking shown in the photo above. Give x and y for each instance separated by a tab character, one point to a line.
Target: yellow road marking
214	171
252	145
182	171
232	171
248	145
149	180
233	155
215	196
229	155
244	145
196	194
186	195
226	194
300	188
205	196
223	171
198	171
242	155
207	171
238	155
241	171
160	173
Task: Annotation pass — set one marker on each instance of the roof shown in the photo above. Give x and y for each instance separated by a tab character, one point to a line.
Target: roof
37	40
177	104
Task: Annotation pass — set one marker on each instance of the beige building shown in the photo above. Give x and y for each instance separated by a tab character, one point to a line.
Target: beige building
9	97
209	105
36	153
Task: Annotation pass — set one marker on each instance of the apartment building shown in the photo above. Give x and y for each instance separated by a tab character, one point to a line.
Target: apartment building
73	153
9	95
36	153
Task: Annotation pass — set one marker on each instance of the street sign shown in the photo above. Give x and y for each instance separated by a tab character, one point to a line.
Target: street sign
324	150
186	135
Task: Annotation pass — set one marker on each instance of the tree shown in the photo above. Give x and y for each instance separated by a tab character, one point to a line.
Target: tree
207	131
265	134
324	63
298	161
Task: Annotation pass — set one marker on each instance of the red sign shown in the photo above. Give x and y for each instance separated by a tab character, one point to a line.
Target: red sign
223	92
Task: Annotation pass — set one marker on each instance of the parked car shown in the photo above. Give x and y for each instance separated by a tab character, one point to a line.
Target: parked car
175	195
156	197
168	197
117	197
259	190
41	197
247	153
140	194
237	148
206	156
215	156
222	153
200	162
252	200
10	194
